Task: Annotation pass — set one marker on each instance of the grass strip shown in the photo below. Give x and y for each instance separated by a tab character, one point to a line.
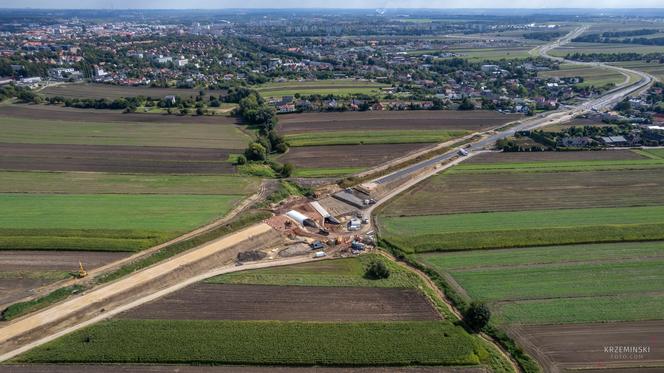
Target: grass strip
21	308
372	137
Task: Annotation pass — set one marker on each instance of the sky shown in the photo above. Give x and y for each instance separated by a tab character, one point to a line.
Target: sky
220	4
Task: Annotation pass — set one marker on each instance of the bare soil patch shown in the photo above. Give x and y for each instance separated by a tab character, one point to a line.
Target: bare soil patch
288	303
23	262
393	120
113	368
508	157
482	192
114	158
582	346
333	156
60	113
33	260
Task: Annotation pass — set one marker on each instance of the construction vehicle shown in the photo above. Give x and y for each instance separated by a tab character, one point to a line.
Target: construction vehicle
81	271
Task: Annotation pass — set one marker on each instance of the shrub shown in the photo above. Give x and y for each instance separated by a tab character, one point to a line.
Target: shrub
477	316
377	270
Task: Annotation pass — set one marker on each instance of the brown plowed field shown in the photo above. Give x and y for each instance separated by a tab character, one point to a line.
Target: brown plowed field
393	120
560	347
25	261
495	191
114	91
347	155
60	113
607	155
288	303
114	158
32	260
85	368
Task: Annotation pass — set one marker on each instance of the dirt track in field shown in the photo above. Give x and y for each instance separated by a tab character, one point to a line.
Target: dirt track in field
347	155
84	368
288	303
496	191
606	155
392	120
59	113
574	346
114	158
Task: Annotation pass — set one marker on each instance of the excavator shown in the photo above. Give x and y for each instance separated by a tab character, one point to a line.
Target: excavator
81	271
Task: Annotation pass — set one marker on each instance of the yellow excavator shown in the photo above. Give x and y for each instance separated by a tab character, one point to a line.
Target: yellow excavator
81	271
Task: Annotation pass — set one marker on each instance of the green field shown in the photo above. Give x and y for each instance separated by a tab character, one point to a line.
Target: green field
653	68
604	48
523	228
372	137
263	343
341	87
560	283
112	222
339	272
563	166
109	183
653	153
592	76
481	54
327	172
222	136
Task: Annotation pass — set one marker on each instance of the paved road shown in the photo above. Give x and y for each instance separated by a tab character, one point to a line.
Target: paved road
608	99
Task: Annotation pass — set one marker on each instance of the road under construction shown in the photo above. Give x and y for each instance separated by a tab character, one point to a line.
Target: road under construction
217	256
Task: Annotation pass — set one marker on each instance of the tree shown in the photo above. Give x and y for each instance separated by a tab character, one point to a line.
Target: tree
477	316
377	270
286	170
466	104
241	159
256	152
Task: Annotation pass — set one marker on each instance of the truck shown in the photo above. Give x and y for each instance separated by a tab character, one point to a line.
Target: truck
319	254
462	152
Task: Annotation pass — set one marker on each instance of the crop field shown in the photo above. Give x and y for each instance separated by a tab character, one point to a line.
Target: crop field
320	87
481	54
235	342
523	191
287	303
31	131
113	91
326	144
100	183
392	120
523	157
592	76
603	48
523	228
372	137
562	284
653	68
115	158
337	273
152	368
582	346
23	270
103	222
65	114
338	156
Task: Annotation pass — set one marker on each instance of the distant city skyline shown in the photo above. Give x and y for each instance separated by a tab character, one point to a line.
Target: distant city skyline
220	4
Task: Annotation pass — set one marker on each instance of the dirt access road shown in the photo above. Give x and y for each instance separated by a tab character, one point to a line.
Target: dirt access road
39	322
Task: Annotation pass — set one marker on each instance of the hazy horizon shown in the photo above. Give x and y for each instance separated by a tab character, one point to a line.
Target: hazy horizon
360	4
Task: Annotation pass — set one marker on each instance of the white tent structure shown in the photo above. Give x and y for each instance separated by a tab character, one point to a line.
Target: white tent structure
302	219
